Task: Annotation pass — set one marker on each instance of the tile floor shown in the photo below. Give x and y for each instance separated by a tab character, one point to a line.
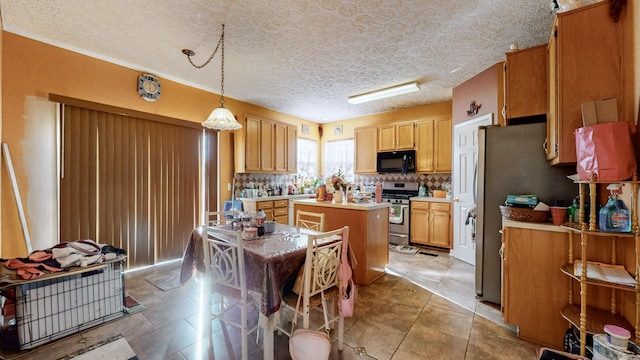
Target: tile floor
423	308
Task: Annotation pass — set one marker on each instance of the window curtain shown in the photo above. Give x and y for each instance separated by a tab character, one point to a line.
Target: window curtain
134	183
338	155
307	158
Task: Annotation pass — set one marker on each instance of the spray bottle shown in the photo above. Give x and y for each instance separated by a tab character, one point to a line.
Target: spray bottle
614	216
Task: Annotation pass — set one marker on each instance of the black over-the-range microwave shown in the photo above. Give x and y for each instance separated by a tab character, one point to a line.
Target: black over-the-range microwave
396	162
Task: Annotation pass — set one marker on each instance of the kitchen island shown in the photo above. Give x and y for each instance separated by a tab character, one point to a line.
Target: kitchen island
368	232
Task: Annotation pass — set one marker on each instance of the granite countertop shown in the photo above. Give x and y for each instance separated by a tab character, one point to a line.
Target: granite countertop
279	197
429	198
344	205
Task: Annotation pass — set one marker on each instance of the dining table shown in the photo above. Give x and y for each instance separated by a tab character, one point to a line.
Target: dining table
270	261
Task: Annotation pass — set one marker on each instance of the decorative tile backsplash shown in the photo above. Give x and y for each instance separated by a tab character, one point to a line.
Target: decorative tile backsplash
244	180
433	181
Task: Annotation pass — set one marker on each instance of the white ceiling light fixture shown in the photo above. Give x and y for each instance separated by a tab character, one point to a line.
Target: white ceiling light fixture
220	118
385	93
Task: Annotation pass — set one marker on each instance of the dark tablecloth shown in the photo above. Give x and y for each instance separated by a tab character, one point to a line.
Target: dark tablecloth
269	261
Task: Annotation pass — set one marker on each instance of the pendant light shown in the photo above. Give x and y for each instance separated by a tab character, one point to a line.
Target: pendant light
220	118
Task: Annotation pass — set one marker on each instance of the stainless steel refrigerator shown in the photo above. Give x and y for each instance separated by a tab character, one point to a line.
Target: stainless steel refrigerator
511	160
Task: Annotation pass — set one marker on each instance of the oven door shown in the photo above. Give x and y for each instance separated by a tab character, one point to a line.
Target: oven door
399	225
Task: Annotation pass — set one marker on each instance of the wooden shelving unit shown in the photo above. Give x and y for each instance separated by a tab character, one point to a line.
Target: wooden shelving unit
589	319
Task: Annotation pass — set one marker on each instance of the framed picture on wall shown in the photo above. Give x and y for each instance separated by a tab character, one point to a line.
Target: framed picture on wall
337	130
305	129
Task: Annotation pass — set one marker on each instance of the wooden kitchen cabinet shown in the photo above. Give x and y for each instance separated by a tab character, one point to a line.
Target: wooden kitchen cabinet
396	137
280	151
431	223
277	210
368	233
533	290
292	149
433	145
281	211
266	206
525	82
265	146
585	64
366	139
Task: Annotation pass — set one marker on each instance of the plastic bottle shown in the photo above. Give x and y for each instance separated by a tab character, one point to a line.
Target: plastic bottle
614	216
378	192
422	190
261	217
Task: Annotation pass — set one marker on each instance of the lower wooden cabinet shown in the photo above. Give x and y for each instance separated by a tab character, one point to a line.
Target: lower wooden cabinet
281	211
277	210
431	223
533	288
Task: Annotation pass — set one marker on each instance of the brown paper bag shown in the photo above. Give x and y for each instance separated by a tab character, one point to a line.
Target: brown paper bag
606	151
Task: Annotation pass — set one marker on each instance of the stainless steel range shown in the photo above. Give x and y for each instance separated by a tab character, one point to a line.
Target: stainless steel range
398	193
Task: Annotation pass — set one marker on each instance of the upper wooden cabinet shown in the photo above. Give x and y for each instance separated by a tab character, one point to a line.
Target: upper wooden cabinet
365	140
525	82
264	145
396	137
292	149
433	145
280	150
585	64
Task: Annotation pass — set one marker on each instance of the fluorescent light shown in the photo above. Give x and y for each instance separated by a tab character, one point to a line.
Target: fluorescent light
385	93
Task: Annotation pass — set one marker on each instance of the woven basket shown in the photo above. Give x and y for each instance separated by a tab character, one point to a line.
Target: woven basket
523	214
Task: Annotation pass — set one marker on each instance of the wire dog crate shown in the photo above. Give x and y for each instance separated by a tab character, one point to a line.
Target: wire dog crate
52	308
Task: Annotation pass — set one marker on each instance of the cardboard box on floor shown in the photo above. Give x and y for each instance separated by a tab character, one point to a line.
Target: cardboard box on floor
598	112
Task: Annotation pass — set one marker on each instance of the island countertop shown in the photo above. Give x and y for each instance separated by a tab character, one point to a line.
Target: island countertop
368	232
343	205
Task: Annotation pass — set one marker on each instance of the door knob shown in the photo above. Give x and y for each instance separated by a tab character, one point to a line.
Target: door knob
456	199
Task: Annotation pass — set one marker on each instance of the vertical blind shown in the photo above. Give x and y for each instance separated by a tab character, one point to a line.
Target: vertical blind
134	183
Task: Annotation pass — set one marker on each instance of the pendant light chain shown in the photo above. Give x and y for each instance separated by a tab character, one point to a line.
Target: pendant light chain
190	53
220	118
222	70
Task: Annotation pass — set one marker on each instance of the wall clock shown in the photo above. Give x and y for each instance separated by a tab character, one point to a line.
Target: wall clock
149	87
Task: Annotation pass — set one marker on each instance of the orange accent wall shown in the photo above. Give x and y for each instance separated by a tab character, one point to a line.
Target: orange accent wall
34	69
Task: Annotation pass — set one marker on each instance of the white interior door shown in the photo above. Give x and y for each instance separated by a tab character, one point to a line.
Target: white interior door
465	160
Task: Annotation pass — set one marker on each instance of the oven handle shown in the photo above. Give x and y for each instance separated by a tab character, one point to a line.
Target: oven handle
399	235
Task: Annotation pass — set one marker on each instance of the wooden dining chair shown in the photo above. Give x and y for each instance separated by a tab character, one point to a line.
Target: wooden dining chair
320	279
310	220
225	277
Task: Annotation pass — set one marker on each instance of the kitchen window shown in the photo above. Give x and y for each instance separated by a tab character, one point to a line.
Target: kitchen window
339	155
307	158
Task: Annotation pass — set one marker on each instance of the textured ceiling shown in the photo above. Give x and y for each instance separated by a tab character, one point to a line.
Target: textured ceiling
304	57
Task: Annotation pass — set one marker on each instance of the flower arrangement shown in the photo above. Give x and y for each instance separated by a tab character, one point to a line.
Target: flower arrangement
338	181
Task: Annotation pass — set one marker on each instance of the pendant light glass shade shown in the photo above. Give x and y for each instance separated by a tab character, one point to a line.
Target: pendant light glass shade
221	119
